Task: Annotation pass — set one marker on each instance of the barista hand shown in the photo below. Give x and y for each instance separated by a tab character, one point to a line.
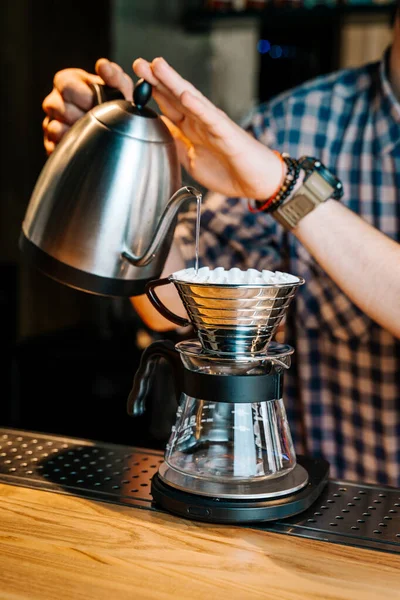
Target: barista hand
212	148
71	97
216	152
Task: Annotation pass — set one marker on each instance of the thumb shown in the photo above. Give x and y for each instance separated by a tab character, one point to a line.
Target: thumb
114	76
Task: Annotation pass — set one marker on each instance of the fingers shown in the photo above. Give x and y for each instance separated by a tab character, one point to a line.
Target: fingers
57	108
176	96
142	68
114	76
73	87
169	105
162	76
49	146
73	84
53	132
174	82
72	96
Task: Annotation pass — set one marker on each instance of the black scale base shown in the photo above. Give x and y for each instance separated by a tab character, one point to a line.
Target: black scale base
222	510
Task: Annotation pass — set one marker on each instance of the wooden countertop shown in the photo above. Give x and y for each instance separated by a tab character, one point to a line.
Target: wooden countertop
56	547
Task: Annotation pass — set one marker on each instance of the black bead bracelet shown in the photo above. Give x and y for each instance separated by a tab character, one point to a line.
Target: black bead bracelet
292	176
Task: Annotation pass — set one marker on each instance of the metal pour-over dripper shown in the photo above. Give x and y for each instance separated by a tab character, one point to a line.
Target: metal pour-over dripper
229	319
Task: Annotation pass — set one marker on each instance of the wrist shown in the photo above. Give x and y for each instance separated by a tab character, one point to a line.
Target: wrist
276	171
290	171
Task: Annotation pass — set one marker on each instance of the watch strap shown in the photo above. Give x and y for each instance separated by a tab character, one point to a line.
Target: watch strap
313	191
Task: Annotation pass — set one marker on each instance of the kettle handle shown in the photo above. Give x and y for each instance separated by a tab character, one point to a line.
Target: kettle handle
105	93
158	305
141	382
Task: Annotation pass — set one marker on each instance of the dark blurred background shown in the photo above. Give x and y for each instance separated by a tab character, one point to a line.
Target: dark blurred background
69	357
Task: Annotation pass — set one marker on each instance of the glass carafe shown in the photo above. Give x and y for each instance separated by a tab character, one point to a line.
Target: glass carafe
233	441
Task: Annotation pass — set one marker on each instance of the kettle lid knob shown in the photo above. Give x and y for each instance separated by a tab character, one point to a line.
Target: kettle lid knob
134	119
142	93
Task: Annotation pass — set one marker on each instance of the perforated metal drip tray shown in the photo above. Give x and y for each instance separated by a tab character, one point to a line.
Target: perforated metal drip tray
346	513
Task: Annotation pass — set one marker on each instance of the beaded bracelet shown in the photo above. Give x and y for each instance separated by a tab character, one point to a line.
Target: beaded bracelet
285	189
291	178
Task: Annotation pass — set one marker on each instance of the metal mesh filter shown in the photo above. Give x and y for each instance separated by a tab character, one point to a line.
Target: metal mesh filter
346	513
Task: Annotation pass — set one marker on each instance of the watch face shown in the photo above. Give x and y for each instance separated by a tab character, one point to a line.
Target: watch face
311	164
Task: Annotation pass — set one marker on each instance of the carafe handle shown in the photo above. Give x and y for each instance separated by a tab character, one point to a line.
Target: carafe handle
158	305
136	404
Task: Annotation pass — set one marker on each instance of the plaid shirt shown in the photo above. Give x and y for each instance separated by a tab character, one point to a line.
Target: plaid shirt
342	392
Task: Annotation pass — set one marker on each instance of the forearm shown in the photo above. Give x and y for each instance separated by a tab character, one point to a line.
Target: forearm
361	260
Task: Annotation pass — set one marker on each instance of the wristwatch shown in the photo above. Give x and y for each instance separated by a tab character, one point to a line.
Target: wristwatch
319	185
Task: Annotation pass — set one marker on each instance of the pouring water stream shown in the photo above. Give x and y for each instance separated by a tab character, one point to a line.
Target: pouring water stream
198	216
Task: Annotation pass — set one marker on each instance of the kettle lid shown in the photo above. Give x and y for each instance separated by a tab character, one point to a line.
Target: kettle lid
134	119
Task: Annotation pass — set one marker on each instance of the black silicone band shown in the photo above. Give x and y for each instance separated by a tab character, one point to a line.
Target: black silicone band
232	388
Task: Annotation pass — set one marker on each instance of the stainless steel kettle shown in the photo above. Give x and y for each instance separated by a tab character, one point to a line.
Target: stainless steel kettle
103	211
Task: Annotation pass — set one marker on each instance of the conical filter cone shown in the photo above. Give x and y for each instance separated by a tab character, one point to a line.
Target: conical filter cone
236	319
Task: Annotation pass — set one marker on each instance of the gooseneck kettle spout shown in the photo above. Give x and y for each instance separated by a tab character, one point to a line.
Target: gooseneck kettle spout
102	214
164	226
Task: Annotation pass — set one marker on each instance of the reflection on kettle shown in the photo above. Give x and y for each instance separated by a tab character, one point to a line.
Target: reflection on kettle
103	212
